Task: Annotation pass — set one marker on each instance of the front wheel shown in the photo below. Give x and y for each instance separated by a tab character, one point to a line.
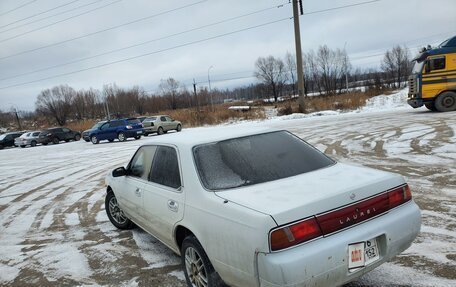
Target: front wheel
115	213
160	131
94	139
55	141
77	137
198	270
446	102
430	106
121	137
179	128
137	137
33	143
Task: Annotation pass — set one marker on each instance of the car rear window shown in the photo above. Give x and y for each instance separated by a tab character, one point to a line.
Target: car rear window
133	121
151	119
256	159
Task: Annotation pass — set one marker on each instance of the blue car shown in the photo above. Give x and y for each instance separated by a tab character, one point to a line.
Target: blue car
120	129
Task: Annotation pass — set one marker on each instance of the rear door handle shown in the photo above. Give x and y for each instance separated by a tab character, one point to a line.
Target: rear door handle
173	206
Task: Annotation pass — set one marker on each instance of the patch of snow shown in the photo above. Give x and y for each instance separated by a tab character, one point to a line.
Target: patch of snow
72	219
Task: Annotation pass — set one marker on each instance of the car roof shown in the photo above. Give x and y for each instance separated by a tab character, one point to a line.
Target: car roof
193	137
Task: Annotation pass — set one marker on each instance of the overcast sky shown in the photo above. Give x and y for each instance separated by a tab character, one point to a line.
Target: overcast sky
39	25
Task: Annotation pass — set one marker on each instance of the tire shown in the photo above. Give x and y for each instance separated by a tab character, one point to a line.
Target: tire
179	128
431	106
110	140
160	131
121	137
22	146
446	102
137	137
33	143
1	147
77	137
94	139
115	214
55	141
146	134
196	265
67	141
45	143
87	140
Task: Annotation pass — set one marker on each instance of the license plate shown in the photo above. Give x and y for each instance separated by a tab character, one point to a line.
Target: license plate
139	132
362	254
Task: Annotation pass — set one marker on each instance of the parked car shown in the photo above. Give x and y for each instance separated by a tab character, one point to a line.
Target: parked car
160	125
86	133
120	129
56	135
262	208
28	138
7	139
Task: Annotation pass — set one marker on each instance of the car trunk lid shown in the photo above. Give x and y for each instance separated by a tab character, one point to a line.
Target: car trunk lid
294	198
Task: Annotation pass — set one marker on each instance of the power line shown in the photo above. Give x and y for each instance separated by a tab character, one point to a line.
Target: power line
57	22
143	43
147	54
104	30
34	15
341	7
19	7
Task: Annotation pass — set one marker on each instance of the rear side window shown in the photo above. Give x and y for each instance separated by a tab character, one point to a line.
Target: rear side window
151	119
165	167
256	159
36	134
117	124
163	119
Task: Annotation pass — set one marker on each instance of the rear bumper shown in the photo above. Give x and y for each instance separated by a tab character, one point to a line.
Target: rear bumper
323	262
133	133
152	129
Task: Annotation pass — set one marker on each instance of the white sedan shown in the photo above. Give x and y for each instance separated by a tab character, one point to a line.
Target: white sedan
262	208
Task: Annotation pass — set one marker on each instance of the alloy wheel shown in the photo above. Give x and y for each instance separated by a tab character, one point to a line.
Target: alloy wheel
195	268
116	213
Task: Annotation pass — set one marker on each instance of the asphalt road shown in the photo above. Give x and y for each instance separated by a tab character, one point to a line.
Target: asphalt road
54	231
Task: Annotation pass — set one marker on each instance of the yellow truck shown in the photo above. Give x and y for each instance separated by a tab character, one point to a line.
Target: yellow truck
433	79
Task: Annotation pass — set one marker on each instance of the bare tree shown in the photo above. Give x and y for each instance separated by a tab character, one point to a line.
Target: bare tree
170	88
396	64
290	62
271	72
56	102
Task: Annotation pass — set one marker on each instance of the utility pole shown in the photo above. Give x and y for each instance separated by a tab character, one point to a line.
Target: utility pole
210	92
297	31
196	96
108	116
17	119
346	68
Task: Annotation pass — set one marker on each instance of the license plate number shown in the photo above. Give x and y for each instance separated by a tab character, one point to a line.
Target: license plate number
361	254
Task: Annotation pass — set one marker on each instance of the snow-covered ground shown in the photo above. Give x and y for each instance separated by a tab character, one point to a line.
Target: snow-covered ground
54	230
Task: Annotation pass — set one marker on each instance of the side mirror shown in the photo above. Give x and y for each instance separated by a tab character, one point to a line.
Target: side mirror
120	171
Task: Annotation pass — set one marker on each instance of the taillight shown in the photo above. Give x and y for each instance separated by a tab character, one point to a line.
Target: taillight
333	221
399	196
129	127
142	125
294	234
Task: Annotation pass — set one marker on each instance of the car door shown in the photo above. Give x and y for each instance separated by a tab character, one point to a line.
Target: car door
171	124
163	197
130	187
163	123
58	134
104	131
66	134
